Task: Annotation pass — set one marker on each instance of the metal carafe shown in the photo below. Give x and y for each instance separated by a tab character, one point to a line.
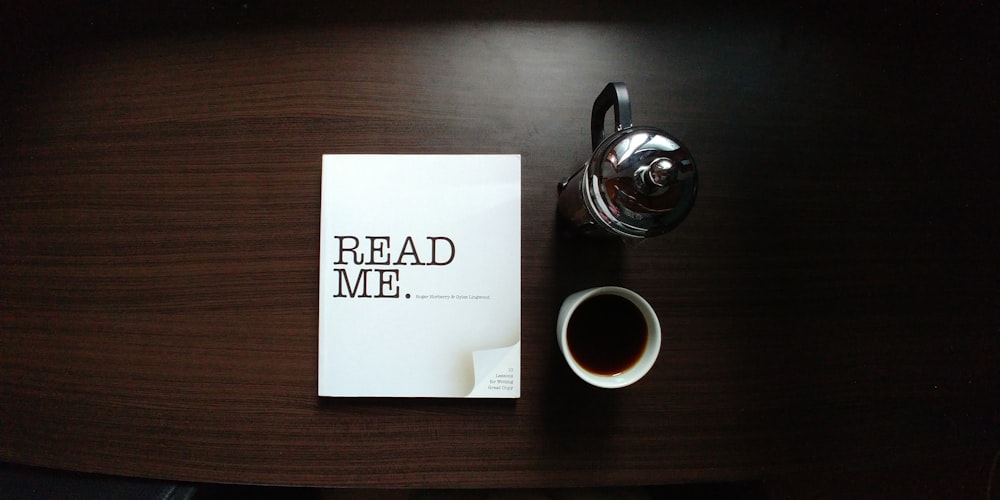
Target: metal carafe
639	182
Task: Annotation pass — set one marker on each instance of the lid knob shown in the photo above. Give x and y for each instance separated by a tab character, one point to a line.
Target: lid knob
659	174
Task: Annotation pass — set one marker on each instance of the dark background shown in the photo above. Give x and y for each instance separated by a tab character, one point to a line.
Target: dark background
831	303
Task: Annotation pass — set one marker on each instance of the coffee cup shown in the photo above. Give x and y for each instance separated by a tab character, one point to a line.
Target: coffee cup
609	335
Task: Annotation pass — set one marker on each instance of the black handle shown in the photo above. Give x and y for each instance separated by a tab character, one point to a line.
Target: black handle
615	94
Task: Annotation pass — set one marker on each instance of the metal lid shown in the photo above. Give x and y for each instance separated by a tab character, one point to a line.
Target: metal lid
640	182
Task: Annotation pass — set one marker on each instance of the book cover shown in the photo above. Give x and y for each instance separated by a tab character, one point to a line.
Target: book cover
420	276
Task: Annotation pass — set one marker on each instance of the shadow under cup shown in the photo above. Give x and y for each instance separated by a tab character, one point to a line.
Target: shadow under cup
610	336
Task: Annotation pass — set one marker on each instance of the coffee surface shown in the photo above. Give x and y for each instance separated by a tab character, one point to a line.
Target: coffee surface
606	334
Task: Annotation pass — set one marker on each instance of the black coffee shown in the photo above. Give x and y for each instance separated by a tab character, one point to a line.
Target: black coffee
606	334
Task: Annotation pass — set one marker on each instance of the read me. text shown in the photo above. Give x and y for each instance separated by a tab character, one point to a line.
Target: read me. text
357	256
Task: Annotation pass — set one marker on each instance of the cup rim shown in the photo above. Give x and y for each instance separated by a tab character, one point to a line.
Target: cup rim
634	373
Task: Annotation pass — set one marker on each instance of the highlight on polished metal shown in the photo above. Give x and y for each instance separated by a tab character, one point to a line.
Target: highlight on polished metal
639	182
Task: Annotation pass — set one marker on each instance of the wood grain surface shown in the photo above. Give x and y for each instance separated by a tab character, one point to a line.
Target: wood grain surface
831	303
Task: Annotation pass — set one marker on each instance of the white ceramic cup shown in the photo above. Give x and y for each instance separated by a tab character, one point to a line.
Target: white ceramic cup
645	360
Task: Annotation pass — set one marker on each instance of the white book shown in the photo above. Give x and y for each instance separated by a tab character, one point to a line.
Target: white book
420	276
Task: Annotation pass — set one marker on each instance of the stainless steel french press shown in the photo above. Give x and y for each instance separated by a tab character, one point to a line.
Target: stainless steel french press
639	182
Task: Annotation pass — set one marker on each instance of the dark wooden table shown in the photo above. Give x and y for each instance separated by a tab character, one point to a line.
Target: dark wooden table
830	303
